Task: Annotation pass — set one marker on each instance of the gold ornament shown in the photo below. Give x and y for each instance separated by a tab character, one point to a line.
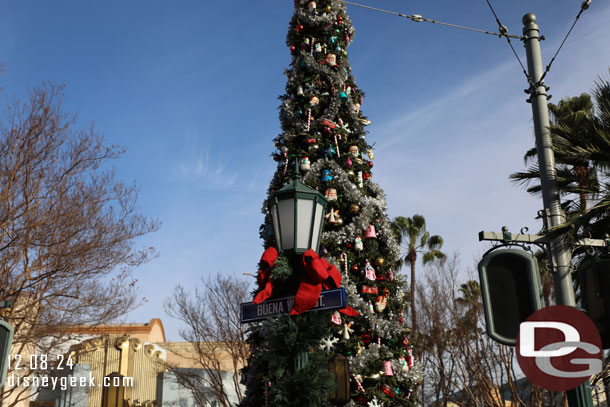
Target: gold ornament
354	209
379	261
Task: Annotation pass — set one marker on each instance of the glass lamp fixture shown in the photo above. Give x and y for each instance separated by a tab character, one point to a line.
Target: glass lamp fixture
339	367
297	212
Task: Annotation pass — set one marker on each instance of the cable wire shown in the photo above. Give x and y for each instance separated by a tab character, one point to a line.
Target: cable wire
419	18
502	28
584	6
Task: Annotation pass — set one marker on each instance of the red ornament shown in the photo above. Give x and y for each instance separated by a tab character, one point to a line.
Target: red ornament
311	140
355	268
380	277
366	338
386	389
292	48
299	28
366	176
370	164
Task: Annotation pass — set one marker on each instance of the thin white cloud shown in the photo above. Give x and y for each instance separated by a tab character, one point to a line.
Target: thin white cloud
205	166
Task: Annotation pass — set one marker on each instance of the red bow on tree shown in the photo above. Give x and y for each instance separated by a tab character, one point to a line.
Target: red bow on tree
265	284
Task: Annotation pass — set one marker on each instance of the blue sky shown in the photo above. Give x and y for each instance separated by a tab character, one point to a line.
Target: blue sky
190	89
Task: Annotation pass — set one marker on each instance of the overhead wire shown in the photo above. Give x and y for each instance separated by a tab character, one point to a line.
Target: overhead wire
419	18
502	28
584	6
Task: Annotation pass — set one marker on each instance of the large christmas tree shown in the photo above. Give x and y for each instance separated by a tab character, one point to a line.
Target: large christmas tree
323	144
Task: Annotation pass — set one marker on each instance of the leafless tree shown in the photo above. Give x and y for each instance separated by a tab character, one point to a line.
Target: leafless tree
214	332
67	227
465	367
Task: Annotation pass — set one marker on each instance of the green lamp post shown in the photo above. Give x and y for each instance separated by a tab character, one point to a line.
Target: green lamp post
297	212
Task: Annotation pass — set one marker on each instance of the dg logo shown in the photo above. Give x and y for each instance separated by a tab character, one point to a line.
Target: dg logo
559	348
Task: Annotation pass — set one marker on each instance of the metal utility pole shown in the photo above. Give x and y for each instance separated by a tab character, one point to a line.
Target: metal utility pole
560	251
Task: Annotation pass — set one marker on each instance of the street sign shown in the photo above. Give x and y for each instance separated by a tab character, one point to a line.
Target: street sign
250	312
511	290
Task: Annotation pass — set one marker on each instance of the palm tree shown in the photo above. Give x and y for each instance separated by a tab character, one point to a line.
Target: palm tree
580	135
573	173
471	301
413	237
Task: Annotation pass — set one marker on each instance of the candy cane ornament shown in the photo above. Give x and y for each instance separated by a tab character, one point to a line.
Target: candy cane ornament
358	384
337	136
308	119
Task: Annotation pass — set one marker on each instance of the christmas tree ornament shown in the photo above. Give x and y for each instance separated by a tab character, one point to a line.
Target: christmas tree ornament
370	153
371	309
292	48
354	209
410	360
369	271
331	60
360	179
379	261
370	232
353	151
331	217
318	48
356	107
284	149
343	96
336	319
327	344
326	176
339	222
358	245
312	7
309	120
330	194
380	303
300	90
366	176
358	382
351	174
355	269
305	43
387	368
349	162
375	376
370	164
390	275
359	349
365	289
299	28
347	330
403	364
305	164
314	101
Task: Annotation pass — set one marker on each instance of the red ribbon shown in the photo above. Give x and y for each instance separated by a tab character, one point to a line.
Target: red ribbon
318	273
265	284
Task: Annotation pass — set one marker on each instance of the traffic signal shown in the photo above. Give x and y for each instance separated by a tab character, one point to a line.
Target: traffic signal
510	285
594	276
6	341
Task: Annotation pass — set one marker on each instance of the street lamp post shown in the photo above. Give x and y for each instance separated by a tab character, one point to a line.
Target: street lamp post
297	212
